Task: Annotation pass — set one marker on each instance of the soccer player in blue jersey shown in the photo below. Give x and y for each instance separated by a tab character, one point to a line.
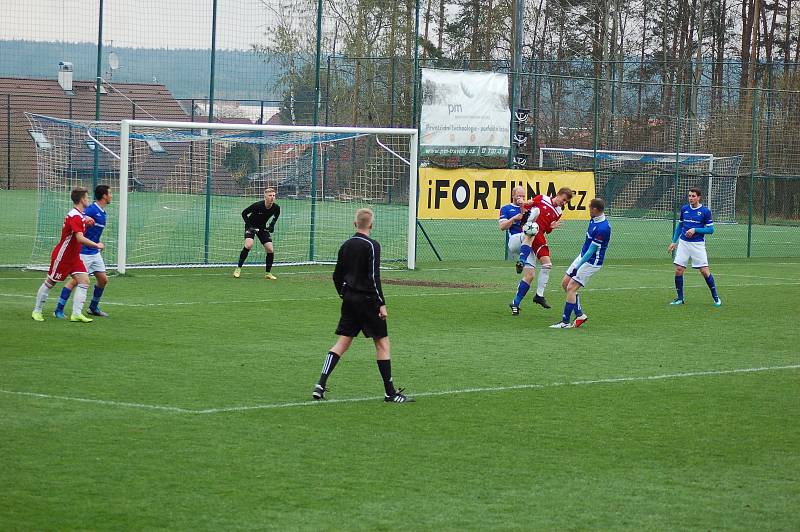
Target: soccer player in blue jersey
585	265
689	241
91	257
512	217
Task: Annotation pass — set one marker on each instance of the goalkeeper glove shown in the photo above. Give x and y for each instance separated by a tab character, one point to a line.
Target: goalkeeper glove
271	228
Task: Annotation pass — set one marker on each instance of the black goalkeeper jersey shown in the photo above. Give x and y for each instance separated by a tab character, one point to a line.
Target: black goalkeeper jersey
257	215
358	268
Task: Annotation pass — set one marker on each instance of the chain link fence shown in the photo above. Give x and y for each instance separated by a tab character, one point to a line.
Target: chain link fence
260	61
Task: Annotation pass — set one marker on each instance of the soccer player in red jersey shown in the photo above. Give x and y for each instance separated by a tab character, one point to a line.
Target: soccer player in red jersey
550	210
66	260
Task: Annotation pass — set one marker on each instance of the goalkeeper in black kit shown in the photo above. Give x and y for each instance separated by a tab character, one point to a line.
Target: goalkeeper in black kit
255	218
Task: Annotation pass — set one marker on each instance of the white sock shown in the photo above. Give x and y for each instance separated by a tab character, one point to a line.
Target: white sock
80	299
541	281
41	297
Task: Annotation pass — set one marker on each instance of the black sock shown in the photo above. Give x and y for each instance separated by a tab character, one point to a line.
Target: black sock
243	256
270	258
385	367
327	368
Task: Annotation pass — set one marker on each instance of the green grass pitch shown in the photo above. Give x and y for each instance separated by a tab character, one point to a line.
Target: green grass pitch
189	407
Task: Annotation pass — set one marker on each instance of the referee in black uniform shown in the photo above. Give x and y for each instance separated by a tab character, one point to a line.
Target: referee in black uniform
358	281
255	219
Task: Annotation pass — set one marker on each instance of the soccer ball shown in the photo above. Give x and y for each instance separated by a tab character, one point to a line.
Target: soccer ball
530	228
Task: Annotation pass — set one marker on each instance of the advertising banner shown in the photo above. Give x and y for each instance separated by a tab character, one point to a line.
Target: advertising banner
477	194
464	114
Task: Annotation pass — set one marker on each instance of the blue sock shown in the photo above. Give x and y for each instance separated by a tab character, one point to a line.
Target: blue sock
62	299
578	308
568	308
712	287
521	291
679	285
96	297
524	252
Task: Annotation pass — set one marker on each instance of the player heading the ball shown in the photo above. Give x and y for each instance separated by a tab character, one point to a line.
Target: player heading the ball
255	219
546	211
688	242
65	261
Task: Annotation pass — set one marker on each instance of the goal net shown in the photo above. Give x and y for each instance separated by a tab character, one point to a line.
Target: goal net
653	184
179	188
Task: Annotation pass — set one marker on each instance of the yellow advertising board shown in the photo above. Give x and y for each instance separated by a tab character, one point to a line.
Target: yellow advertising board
478	194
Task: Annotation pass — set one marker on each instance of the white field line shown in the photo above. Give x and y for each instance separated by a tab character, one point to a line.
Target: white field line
451	293
100	402
666	267
493	389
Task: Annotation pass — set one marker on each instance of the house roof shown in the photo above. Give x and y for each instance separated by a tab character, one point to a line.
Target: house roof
46	97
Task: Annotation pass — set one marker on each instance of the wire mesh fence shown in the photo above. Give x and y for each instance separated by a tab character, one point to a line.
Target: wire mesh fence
263	61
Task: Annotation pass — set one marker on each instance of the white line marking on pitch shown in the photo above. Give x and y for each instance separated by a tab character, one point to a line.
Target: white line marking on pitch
452	292
271	406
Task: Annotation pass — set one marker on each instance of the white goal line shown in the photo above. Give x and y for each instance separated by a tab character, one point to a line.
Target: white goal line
493	389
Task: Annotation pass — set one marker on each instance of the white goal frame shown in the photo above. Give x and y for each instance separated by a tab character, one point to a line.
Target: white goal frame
676	157
125	136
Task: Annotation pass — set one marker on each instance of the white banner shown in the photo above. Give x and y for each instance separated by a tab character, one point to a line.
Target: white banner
464	113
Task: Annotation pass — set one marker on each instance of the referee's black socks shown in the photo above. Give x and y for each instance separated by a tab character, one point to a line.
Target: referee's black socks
385	367
330	362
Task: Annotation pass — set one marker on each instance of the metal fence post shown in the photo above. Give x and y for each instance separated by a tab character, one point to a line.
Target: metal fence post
764	182
753	155
209	160
314	150
8	141
96	164
676	179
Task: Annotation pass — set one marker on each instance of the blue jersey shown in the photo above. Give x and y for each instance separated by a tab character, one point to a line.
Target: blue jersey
93	232
508	212
599	233
695	218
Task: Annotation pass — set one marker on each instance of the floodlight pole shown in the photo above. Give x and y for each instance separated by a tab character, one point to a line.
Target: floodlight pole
98	79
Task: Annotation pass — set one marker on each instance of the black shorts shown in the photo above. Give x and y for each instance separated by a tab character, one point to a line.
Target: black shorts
360	314
262	234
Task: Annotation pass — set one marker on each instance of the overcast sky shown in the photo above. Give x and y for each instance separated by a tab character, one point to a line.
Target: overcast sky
137	23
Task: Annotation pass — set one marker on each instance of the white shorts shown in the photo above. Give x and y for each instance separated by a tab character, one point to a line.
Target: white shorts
584	272
514	243
696	251
94	263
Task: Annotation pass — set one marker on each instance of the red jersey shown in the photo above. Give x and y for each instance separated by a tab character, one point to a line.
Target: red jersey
548	212
68	248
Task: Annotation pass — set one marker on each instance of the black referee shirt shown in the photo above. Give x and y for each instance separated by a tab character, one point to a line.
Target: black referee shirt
358	267
257	214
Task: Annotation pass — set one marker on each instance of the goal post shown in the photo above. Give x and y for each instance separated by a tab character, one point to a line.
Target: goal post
179	188
645	184
314	134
